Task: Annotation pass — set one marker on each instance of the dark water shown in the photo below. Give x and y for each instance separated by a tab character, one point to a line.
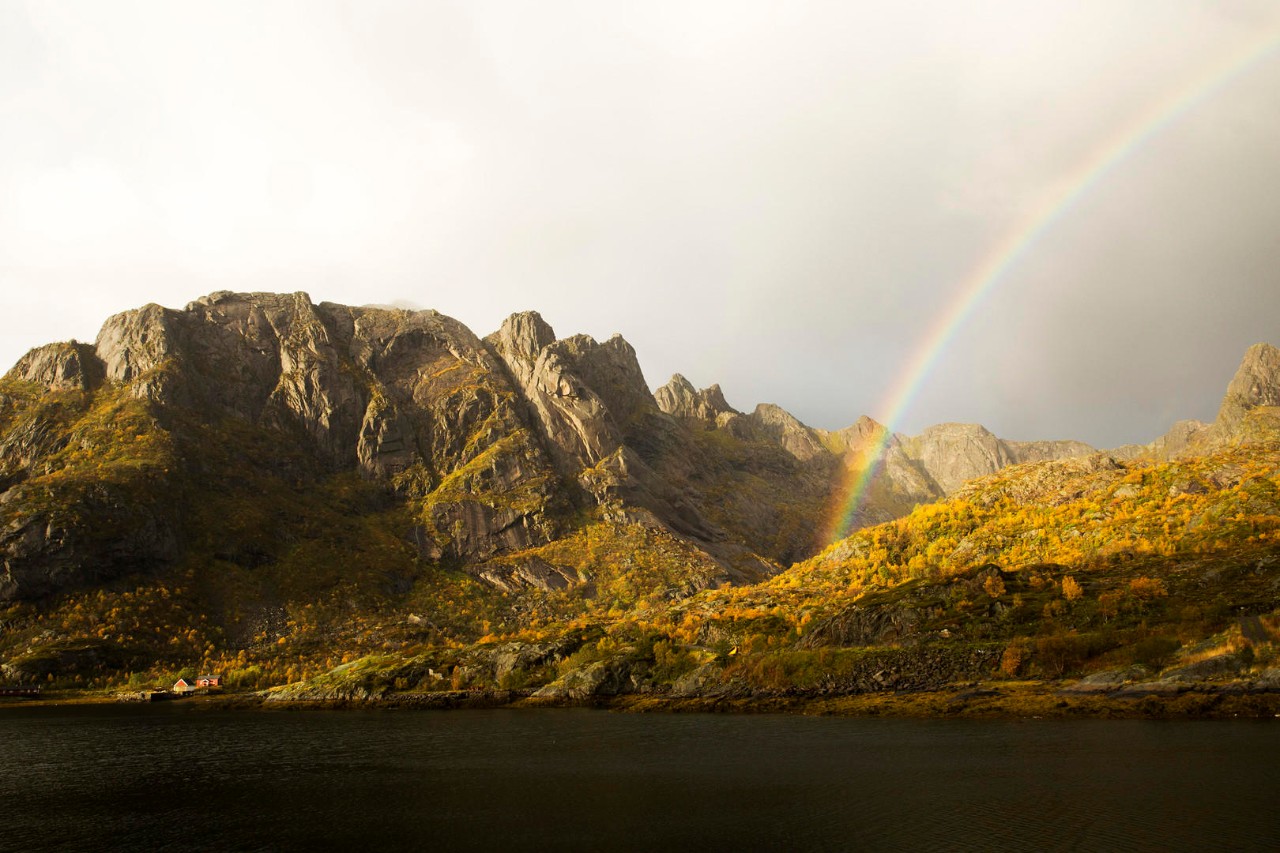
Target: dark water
183	778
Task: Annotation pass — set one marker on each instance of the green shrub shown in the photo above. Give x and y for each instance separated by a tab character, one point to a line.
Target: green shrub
1153	652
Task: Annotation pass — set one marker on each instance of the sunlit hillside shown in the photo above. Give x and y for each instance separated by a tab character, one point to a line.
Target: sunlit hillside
415	512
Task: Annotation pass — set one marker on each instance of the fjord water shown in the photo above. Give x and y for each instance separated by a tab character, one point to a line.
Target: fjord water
175	777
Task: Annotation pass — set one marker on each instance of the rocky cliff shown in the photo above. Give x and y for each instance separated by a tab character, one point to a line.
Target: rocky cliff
1255	384
484	447
912	469
487	447
276	488
1252	395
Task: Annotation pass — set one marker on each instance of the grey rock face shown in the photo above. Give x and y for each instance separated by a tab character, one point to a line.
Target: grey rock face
134	343
1250	409
1256	383
700	682
855	437
601	678
60	367
265	358
680	399
786	430
613	373
530	573
952	453
1180	436
494	443
1107	681
572	418
1214	667
1046	451
390	393
53	549
909	471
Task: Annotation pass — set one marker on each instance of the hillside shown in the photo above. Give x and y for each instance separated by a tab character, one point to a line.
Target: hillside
362	501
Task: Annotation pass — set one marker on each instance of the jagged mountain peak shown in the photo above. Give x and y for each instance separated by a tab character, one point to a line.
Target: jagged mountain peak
267	468
856	438
524	333
1256	383
60	367
498	443
787	430
679	398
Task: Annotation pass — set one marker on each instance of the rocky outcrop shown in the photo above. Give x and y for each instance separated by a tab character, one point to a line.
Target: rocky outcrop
264	358
952	453
362	383
592	409
680	399
134	343
612	371
485	440
600	678
493	446
819	464
1048	483
927	667
411	399
60	367
857	437
1046	451
1248	412
571	417
99	533
1107	681
1256	383
861	626
784	429
1178	439
526	573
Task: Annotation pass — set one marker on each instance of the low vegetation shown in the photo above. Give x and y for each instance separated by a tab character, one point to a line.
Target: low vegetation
308	581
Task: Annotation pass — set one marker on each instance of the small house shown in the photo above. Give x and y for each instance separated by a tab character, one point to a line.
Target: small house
182	687
208	681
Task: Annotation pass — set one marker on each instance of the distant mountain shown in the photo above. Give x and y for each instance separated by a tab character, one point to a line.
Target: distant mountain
1253	389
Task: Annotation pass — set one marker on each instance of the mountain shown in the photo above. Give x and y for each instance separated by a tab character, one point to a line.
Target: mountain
1255	385
276	489
495	446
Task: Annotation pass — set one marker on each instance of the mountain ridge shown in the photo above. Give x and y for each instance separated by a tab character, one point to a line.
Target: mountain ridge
414	398
274	487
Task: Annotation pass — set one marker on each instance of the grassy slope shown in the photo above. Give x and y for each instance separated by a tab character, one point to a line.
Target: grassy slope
289	570
286	569
1044	571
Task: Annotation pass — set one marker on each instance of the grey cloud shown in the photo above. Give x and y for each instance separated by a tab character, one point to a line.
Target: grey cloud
776	197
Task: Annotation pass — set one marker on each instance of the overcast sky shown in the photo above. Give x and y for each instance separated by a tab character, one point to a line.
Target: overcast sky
778	197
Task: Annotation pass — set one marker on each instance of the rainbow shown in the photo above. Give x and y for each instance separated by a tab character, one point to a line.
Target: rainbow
1016	244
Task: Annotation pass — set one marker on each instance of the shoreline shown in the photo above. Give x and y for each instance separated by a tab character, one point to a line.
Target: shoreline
988	700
